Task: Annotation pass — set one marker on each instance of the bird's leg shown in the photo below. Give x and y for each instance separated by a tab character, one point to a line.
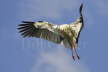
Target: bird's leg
74	49
76	54
73	54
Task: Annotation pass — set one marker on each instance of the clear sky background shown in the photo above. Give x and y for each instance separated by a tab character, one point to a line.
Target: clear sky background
37	55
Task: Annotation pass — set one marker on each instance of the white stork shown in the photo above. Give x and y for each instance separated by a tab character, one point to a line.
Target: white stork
66	34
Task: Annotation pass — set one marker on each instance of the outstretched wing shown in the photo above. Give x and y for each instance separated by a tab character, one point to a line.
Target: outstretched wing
81	21
40	30
78	24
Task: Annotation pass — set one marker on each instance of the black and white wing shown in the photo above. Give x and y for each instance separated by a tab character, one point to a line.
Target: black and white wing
39	29
78	24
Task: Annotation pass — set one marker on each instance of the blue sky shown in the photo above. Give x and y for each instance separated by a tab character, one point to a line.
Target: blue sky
37	55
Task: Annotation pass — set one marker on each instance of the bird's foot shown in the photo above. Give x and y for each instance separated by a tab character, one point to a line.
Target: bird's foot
78	57
73	58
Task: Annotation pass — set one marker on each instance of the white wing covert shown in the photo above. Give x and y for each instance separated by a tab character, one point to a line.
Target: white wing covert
39	29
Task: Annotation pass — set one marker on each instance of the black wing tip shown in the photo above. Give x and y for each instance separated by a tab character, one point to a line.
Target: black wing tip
26	29
81	6
22	24
27	22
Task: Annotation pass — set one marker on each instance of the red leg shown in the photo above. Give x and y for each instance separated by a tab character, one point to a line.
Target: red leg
76	54
73	54
74	47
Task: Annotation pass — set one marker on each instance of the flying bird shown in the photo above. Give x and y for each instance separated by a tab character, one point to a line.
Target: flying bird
65	34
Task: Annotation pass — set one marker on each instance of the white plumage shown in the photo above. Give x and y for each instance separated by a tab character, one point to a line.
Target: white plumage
66	34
